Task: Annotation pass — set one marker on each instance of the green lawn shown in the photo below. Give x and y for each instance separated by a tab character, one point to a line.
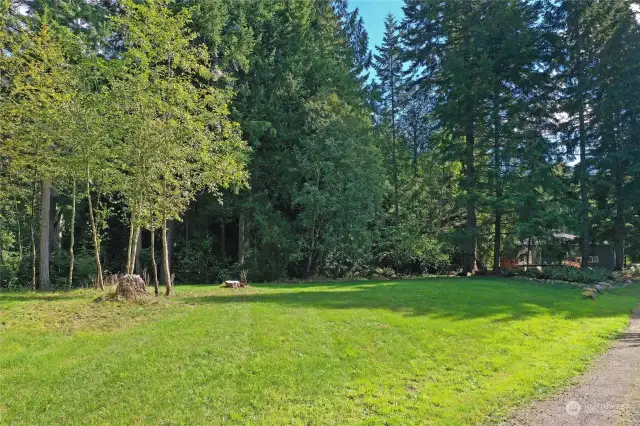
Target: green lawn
430	351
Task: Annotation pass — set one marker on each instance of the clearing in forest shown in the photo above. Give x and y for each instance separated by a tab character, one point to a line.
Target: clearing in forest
436	351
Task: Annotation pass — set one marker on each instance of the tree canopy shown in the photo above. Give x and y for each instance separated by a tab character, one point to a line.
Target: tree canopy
270	137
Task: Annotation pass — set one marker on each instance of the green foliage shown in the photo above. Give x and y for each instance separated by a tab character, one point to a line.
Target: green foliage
195	263
464	142
564	273
339	195
37	91
10	271
177	136
84	271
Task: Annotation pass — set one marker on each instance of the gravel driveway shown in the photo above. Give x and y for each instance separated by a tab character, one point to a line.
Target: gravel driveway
609	394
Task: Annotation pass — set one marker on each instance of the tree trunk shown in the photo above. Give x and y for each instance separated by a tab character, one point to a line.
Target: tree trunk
56	222
619	220
137	266
45	210
33	237
170	231
584	191
470	255
19	231
130	244
72	232
241	237
394	156
133	251
96	239
154	267
497	236
619	230
165	258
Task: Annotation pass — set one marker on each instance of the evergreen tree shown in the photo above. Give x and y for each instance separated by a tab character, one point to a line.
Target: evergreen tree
388	66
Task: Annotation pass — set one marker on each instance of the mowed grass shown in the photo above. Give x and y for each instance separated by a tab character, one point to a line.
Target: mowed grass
429	351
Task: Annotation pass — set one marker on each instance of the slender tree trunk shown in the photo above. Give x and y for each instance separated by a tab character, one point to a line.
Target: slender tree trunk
497	241
165	257
154	267
137	266
619	220
96	240
241	237
583	176
19	230
33	256
619	230
134	243
170	232
45	210
394	156
584	190
72	232
33	236
56	221
497	237
130	244
470	255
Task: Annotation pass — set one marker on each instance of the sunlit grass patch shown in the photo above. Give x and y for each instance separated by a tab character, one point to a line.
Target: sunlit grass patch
435	351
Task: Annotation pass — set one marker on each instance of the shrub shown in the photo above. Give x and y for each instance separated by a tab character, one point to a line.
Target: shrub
580	275
10	271
84	269
563	273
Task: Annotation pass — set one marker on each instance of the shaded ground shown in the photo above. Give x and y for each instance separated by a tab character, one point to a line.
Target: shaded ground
609	394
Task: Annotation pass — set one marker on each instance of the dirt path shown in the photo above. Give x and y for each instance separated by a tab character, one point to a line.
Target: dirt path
609	394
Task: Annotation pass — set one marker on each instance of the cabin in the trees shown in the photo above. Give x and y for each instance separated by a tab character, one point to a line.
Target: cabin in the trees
563	249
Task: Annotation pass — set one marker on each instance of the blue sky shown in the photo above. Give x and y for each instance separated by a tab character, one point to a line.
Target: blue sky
373	13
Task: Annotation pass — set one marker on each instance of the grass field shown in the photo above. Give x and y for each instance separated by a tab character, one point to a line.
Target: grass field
430	351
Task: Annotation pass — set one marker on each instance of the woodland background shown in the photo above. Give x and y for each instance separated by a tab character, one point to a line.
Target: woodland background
211	136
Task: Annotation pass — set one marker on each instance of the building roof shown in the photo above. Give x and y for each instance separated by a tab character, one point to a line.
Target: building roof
565	236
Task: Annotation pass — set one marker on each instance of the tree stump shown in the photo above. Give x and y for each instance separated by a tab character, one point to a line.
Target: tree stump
130	287
232	284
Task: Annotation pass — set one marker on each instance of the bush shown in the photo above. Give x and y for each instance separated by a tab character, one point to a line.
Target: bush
10	271
84	269
196	263
586	275
563	273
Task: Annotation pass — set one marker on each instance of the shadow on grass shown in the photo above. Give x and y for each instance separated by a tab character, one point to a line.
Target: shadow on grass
470	298
38	297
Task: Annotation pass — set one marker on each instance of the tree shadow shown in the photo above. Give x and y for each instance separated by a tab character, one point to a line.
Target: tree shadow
630	339
459	299
36	297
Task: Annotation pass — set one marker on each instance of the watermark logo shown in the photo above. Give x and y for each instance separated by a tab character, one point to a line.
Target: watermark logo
573	408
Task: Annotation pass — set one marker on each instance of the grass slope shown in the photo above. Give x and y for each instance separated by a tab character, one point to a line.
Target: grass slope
435	351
